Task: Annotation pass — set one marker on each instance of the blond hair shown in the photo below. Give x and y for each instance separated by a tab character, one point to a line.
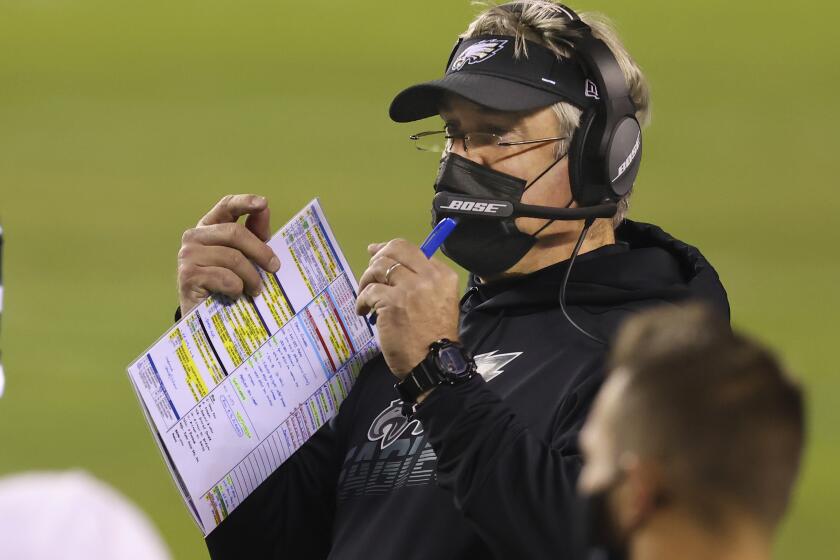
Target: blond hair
542	22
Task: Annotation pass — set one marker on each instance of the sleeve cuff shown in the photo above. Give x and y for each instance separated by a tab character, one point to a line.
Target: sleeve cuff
446	403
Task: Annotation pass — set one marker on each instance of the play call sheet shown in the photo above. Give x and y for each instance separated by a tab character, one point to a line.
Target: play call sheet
236	387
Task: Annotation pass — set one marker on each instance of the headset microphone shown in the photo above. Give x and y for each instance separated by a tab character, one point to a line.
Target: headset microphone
448	203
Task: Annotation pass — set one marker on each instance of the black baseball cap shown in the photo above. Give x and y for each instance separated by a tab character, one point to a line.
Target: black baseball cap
486	71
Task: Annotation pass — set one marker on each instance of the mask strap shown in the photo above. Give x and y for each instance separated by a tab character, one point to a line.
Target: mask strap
540	176
547	169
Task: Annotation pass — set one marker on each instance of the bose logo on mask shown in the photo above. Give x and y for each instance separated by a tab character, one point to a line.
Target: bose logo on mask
476	207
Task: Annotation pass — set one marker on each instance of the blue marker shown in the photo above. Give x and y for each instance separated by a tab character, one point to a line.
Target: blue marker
432	243
438	235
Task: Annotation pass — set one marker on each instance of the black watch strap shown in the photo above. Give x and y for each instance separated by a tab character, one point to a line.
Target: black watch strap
429	373
422	378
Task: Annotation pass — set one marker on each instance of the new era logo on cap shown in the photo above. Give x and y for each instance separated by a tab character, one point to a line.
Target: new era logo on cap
591	90
478	52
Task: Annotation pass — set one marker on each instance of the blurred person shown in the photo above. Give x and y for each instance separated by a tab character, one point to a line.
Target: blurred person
693	444
72	516
542	115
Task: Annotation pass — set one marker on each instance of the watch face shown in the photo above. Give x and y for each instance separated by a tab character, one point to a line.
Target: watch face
452	362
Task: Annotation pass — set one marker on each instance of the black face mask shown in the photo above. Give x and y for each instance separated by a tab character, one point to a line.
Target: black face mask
601	531
484	246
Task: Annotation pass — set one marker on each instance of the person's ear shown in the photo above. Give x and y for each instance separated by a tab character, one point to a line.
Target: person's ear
638	495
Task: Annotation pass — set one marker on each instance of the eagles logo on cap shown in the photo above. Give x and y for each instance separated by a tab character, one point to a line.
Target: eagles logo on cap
478	52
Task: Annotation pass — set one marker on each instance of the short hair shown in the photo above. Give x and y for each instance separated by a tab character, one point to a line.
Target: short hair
714	408
541	22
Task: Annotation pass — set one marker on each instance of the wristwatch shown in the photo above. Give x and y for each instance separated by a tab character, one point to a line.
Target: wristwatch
447	362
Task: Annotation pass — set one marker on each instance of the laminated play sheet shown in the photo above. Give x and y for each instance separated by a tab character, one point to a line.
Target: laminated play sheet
236	387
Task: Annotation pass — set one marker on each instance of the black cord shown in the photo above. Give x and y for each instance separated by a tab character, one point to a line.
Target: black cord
578	245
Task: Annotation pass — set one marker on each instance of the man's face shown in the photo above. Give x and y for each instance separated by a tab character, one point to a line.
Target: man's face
609	484
628	484
597	438
526	162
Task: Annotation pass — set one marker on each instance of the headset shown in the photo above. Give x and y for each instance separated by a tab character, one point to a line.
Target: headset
606	148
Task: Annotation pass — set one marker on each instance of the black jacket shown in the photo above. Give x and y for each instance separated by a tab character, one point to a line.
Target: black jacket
488	468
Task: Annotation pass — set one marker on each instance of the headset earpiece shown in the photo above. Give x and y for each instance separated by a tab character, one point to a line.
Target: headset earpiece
623	155
579	177
604	163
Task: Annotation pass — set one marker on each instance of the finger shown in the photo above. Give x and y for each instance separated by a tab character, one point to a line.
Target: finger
225	257
406	253
198	282
259	223
230	207
374	248
374	296
235	236
445	273
377	272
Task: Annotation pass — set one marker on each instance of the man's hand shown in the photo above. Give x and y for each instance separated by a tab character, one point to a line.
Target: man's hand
417	306
216	255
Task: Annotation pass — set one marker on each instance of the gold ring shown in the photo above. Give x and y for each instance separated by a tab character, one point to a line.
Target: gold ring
389	271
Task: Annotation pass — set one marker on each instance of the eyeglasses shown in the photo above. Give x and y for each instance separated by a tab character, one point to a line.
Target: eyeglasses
440	141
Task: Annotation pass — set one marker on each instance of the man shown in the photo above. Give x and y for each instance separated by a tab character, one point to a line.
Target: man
458	465
693	444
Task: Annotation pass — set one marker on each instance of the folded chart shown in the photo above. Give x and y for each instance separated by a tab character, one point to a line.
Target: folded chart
236	387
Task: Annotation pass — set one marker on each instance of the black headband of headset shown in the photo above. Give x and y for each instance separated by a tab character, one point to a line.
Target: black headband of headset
599	60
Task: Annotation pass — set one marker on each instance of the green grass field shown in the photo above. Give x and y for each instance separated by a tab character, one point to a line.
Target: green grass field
122	122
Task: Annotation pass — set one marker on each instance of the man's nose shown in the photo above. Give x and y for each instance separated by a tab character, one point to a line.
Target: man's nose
476	155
